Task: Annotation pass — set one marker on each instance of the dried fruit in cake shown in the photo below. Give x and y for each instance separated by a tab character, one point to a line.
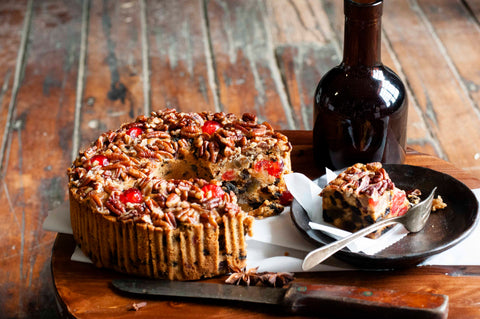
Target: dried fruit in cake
360	196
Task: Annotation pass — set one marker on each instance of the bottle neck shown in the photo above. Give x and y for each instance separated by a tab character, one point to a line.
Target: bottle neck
362	40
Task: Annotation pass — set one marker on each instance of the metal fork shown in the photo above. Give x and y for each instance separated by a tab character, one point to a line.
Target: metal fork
414	221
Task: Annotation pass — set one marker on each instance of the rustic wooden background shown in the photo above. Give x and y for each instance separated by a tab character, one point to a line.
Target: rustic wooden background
72	69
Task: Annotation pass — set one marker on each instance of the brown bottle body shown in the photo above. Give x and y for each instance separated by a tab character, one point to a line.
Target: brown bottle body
360	106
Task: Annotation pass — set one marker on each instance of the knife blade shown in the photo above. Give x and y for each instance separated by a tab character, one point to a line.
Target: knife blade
303	298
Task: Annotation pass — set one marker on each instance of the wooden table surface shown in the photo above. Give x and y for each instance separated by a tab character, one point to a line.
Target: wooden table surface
72	69
85	291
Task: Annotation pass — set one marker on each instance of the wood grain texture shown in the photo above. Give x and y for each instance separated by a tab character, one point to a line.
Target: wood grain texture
226	55
12	16
181	73
298	21
474	7
245	68
86	292
456	29
302	68
113	92
305	49
36	157
445	105
12	23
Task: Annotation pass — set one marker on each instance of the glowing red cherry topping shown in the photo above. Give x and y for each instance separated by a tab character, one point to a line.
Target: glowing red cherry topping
271	167
131	195
211	190
210	127
134	131
99	160
229	175
286	198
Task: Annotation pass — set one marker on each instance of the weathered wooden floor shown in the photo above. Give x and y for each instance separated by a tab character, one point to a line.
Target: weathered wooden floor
72	69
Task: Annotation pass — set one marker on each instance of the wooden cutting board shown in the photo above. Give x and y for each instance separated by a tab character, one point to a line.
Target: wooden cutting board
84	291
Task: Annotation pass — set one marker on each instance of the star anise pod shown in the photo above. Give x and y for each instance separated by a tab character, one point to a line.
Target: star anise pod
250	277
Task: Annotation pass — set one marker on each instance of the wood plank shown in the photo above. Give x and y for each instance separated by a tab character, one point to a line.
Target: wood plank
298	21
36	158
113	92
245	67
456	30
304	49
181	64
12	16
302	67
447	108
12	25
474	7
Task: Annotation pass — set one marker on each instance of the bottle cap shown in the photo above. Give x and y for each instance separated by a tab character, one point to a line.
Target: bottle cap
363	9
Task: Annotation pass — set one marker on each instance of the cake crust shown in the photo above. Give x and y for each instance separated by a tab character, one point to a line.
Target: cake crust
188	252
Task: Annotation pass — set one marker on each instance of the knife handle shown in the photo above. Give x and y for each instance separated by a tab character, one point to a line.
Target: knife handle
350	301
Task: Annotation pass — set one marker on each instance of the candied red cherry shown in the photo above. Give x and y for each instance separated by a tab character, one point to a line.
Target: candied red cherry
134	131
286	198
398	204
209	127
260	165
229	175
273	168
211	190
131	195
99	160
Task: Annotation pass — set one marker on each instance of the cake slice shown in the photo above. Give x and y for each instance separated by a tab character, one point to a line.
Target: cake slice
360	196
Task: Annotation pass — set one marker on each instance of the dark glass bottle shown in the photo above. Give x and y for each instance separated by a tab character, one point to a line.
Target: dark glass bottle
360	106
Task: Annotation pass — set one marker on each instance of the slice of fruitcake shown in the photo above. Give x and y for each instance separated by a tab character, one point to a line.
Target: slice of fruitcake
360	196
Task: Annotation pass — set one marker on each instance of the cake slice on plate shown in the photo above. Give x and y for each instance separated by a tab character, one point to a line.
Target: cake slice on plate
360	196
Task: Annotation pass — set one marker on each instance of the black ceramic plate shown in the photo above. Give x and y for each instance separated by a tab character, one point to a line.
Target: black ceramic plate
445	228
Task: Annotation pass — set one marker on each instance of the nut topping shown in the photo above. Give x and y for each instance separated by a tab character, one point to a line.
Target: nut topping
364	179
132	156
